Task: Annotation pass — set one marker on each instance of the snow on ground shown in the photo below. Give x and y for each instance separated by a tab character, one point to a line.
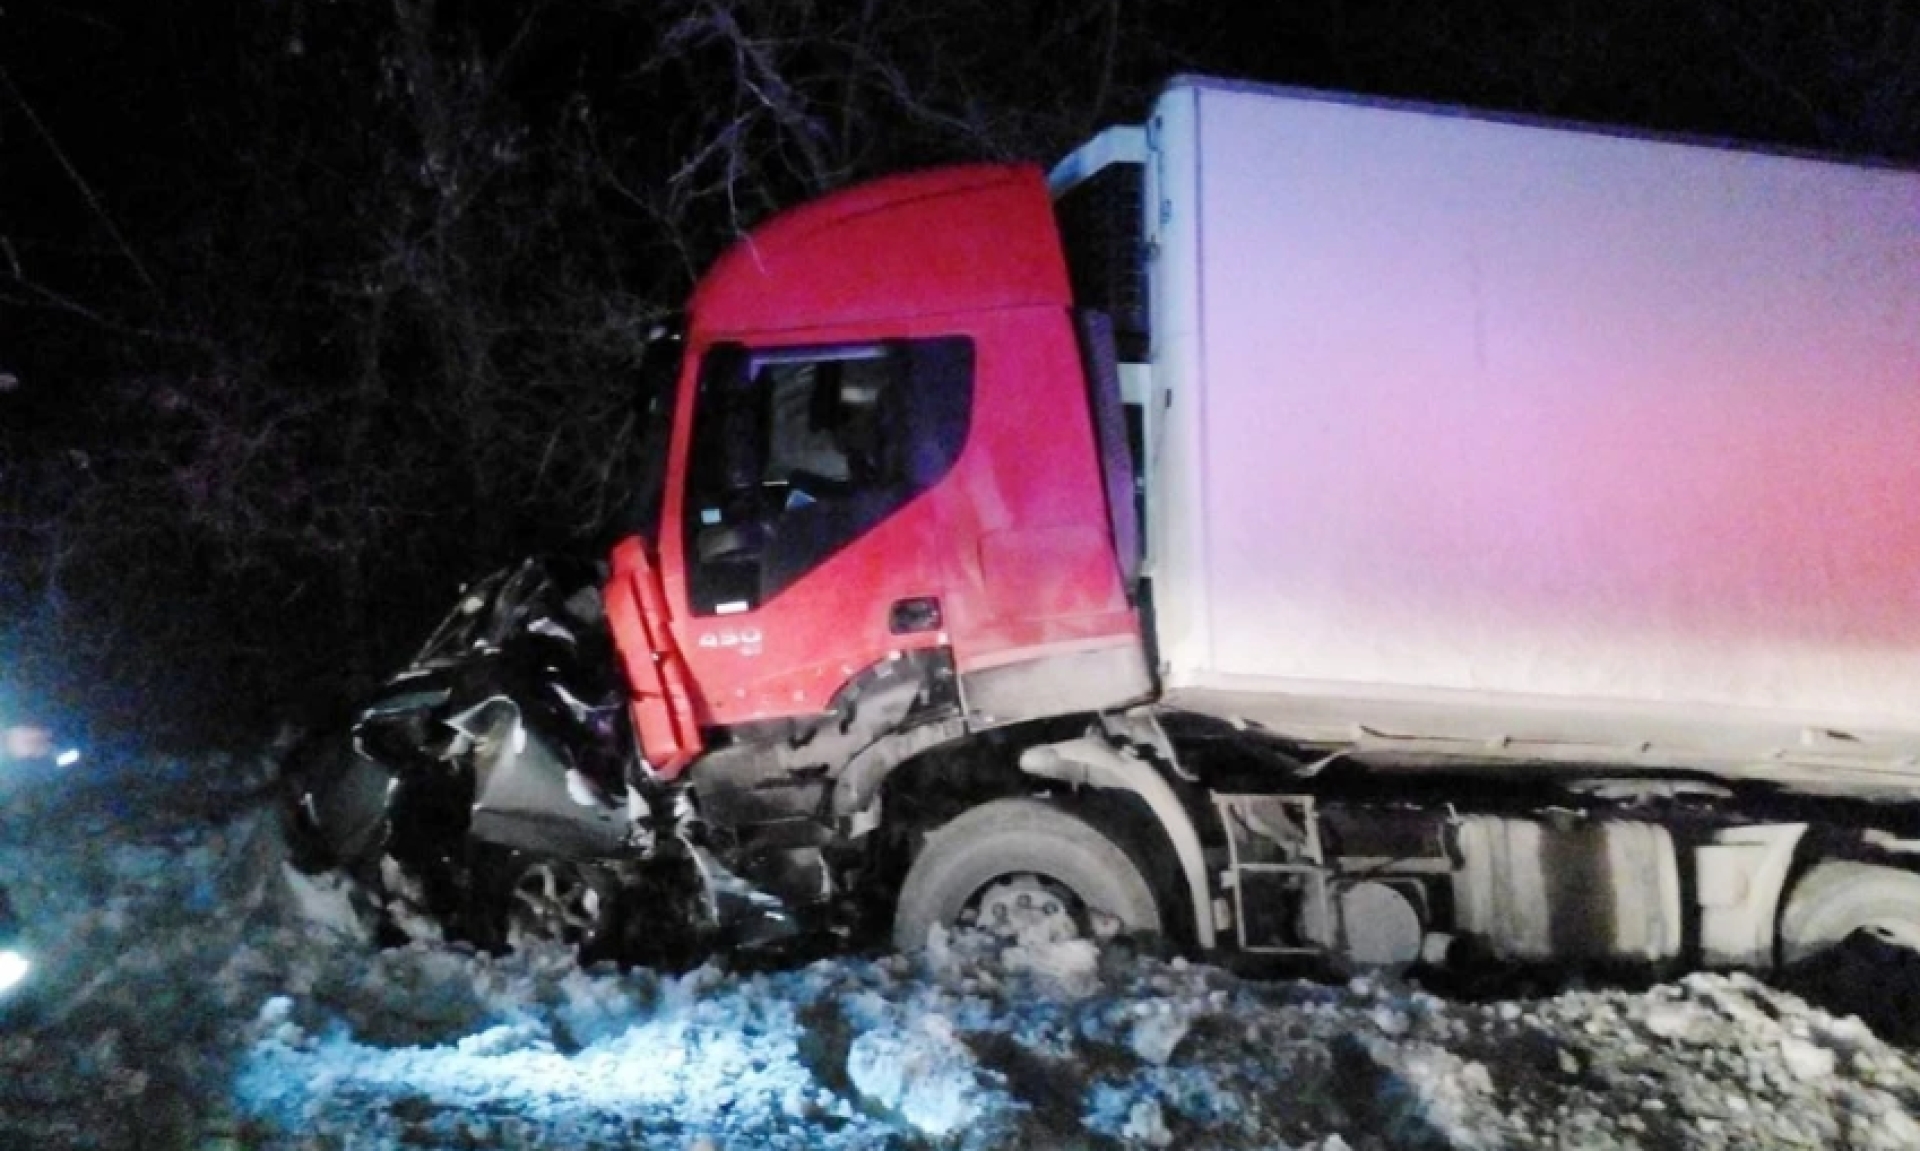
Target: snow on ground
194	994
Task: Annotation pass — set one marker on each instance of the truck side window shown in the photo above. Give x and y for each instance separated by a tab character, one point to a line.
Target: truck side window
798	452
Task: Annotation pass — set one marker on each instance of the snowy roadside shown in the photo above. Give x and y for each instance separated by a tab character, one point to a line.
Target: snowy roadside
196	996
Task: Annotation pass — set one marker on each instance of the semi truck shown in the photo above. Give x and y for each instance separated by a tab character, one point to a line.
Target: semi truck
1299	525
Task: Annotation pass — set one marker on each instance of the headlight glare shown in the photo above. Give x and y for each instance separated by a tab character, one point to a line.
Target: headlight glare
13	969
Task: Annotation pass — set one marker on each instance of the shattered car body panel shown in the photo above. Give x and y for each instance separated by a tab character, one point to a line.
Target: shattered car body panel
492	789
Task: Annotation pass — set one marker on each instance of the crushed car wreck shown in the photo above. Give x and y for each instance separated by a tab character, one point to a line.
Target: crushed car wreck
490	792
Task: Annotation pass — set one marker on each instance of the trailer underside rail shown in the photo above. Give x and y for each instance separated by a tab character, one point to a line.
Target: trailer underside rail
1442	728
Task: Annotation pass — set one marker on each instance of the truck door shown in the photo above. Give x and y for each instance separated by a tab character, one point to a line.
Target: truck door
810	530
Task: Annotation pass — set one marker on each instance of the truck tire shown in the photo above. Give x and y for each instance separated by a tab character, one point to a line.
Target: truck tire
1836	899
1011	839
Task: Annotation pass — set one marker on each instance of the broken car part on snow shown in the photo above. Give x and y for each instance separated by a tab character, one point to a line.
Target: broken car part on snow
1304	527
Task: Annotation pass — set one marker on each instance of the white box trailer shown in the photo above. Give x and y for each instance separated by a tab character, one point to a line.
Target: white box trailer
1472	435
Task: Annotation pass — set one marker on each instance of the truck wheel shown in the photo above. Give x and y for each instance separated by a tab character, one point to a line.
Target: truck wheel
1834	900
1021	865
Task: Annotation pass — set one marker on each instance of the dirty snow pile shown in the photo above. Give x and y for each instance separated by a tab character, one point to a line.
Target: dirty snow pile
196	994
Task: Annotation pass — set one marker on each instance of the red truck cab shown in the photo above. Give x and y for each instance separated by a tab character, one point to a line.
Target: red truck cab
884	469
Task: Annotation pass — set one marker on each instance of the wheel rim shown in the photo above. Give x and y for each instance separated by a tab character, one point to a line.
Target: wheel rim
1029	908
553	902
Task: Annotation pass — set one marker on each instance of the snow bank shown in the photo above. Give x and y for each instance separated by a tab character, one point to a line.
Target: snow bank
197	995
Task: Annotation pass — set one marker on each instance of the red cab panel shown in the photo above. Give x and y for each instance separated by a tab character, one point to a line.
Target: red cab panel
964	239
662	706
884	417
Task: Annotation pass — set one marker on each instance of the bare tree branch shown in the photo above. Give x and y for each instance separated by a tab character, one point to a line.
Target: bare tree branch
79	181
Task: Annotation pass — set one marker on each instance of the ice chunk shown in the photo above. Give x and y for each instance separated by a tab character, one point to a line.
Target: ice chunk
1157	1030
505	1038
1145	1124
1677	1021
325	901
1806	1060
1390	1021
1071	967
921	1072
275	1011
1896	1128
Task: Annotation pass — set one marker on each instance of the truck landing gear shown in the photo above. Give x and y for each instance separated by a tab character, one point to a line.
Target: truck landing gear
989	859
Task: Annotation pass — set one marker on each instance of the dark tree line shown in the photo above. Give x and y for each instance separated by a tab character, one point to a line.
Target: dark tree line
310	309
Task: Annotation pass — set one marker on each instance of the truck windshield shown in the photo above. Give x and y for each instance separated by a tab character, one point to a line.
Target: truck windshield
659	380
